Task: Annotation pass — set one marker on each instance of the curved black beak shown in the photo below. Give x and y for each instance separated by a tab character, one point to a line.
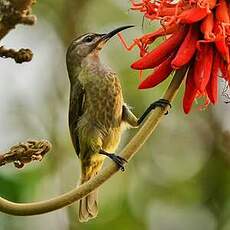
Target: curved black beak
105	37
114	32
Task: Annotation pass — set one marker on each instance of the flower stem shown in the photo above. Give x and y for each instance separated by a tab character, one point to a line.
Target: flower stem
26	209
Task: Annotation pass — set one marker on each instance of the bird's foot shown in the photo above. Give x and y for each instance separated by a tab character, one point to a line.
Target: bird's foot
115	158
162	103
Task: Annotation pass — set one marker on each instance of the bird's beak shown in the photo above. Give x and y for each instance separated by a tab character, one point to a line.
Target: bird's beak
105	37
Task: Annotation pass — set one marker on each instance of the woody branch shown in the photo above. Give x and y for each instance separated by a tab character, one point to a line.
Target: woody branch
13	12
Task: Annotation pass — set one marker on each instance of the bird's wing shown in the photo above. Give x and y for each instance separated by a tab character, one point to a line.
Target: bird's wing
77	98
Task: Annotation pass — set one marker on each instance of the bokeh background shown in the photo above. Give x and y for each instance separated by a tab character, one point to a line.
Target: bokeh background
180	180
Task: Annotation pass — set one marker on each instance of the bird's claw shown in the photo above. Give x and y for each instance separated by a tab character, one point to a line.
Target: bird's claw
119	161
115	158
162	103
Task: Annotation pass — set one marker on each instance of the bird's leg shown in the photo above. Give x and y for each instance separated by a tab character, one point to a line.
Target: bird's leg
133	121
117	159
162	103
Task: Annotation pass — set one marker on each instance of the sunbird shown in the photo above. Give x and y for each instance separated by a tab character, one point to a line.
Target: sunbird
97	112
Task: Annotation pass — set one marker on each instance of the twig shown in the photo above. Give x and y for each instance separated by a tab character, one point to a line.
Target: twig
24	153
24	209
20	56
13	12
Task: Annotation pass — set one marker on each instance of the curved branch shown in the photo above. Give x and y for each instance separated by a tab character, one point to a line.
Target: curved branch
24	209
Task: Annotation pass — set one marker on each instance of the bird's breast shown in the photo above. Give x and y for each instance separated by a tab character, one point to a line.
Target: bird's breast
103	101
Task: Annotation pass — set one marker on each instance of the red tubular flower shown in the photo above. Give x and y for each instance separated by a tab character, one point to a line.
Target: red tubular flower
156	56
220	41
158	75
151	37
192	15
187	48
206	27
208	62
198	39
168	11
203	66
212	87
222	12
190	91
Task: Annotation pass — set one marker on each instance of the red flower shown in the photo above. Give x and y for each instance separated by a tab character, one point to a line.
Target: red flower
198	38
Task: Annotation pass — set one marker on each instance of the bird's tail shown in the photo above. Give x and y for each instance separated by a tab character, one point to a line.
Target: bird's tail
88	206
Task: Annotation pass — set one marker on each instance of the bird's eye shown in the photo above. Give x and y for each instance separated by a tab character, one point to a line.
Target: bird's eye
88	39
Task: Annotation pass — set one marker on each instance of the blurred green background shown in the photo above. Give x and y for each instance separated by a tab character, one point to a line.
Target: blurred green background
180	180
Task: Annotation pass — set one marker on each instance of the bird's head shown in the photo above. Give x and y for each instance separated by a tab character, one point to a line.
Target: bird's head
88	44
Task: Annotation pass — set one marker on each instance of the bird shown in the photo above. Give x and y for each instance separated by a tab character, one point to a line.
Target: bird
97	111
